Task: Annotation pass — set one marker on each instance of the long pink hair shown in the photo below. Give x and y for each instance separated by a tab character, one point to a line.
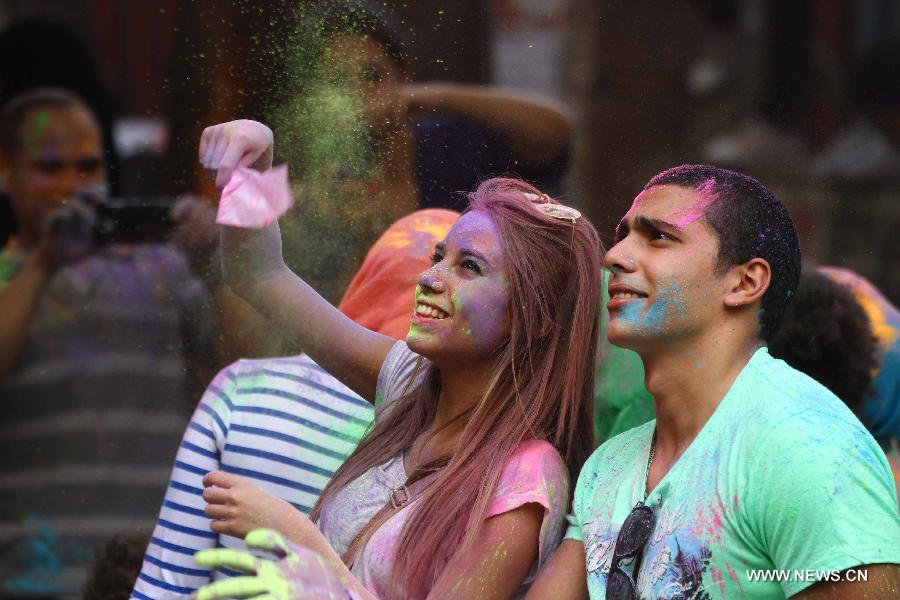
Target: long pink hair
541	384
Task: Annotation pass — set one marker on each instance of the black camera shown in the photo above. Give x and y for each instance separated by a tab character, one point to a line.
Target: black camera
140	219
127	220
93	218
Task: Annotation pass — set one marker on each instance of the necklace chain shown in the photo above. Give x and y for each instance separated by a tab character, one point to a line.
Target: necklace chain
649	462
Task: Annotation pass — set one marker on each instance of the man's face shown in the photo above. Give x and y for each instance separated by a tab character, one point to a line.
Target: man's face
663	287
369	74
60	151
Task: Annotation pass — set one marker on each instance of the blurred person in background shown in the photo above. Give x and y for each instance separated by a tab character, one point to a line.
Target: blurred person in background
116	565
368	146
880	408
96	345
42	51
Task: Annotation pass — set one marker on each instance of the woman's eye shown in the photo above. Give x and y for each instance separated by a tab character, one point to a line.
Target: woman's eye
471	265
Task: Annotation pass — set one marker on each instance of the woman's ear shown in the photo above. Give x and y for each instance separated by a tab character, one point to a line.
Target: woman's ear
748	282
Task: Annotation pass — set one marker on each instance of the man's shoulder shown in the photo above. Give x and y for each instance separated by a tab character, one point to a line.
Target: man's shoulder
774	390
791	410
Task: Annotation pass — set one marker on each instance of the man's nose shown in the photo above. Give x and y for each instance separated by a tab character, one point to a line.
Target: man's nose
68	181
619	258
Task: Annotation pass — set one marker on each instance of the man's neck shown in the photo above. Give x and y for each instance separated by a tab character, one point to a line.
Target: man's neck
687	382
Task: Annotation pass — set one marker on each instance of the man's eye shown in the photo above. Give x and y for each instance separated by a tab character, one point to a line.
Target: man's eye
661	235
48	166
471	265
89	165
436	258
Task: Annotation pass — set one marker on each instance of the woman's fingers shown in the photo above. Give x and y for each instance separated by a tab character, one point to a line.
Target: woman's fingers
268	539
218	511
217	495
238	560
227	527
236	587
222	479
208	142
230	159
227	146
204	145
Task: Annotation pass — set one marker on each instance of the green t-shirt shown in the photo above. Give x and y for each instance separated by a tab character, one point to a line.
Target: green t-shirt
782	476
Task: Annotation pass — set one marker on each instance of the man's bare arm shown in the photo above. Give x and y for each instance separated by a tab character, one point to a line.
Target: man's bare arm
564	576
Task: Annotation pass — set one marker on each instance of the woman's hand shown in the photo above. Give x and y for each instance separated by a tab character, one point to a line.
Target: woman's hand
238	507
229	146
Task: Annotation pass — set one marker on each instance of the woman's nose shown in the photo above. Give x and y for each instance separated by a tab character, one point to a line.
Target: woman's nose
431	281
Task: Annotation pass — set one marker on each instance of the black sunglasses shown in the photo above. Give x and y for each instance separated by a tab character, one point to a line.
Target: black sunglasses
632	538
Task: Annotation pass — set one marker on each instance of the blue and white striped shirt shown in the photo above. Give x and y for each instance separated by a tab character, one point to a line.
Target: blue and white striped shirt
284	423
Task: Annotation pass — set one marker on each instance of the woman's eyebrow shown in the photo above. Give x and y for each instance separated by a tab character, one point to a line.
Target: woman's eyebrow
475	254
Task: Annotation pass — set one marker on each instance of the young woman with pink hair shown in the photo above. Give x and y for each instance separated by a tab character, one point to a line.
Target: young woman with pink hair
483	413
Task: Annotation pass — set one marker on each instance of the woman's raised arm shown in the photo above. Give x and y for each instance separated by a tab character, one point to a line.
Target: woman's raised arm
253	267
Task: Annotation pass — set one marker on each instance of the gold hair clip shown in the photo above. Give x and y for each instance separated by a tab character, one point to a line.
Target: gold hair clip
559	211
551	209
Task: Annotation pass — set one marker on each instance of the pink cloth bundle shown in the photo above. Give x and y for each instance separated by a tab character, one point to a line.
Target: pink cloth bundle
253	200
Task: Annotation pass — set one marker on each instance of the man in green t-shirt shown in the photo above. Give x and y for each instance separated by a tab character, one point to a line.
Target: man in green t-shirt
753	480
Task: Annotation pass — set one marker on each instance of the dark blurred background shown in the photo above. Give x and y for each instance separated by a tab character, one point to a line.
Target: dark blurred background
800	94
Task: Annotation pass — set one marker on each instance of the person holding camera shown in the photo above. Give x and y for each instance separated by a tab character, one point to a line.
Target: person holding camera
96	344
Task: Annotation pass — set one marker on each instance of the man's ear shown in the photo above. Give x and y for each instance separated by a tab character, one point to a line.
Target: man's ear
747	282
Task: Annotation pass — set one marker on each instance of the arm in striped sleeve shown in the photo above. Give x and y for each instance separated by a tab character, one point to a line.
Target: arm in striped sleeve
169	570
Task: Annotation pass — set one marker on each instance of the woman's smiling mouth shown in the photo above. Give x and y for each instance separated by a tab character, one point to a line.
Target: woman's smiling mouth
430	311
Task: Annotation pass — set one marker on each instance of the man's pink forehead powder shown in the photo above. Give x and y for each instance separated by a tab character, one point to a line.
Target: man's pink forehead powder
707	195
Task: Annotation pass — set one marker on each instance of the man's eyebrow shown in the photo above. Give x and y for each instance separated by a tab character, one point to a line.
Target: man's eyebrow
439	247
647	223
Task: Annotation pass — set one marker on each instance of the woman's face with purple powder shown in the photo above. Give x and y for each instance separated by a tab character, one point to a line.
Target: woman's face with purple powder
462	302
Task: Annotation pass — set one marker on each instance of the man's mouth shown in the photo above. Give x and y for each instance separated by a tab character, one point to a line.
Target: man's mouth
620	295
623	295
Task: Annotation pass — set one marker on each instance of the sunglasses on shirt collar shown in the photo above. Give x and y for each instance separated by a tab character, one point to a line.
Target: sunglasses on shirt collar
633	536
